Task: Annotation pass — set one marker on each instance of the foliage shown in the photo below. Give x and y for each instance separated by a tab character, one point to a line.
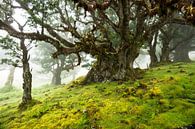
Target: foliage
12	49
163	99
6	11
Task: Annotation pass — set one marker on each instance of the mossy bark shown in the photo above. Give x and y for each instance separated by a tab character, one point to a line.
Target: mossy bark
114	67
27	84
27	76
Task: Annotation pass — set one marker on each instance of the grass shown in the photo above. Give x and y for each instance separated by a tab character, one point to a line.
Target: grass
163	99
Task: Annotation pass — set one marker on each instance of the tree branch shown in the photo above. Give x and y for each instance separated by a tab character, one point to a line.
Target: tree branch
47	26
34	36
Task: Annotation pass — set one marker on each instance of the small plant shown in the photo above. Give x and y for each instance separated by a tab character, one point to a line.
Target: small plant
77	82
155	91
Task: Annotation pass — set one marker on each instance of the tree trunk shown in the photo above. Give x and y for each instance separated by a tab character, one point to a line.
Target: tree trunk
114	67
181	54
73	75
27	76
165	51
10	79
153	58
152	51
56	79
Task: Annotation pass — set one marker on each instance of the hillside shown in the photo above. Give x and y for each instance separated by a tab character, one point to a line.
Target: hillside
163	99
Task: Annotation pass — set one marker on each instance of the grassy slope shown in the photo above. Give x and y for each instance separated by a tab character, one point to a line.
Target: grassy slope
164	99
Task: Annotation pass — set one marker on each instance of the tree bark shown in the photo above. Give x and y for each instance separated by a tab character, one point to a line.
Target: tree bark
165	51
181	54
153	57
56	79
27	76
114	67
152	51
10	79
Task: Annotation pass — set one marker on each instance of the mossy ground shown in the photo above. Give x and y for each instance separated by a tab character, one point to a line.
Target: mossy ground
163	99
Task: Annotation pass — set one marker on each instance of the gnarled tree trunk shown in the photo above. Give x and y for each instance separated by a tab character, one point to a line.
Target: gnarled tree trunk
114	67
27	76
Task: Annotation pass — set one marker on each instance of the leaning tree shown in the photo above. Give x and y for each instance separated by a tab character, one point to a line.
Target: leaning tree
112	31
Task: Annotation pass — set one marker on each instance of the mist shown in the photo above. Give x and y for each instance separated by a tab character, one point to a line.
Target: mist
40	79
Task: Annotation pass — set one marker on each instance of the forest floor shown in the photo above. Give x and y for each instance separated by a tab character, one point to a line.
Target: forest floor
163	99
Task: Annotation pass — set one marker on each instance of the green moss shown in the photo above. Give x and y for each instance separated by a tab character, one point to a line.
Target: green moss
163	99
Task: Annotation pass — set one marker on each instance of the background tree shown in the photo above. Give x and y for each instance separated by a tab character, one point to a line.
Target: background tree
10	78
8	86
9	81
48	64
182	42
175	41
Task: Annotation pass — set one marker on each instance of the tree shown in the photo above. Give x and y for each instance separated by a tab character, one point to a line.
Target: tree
19	57
9	82
152	44
93	24
18	52
10	78
55	66
177	40
182	44
8	86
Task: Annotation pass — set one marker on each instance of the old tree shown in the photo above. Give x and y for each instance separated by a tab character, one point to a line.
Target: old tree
112	31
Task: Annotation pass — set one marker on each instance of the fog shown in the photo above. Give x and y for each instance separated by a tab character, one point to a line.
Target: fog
39	79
